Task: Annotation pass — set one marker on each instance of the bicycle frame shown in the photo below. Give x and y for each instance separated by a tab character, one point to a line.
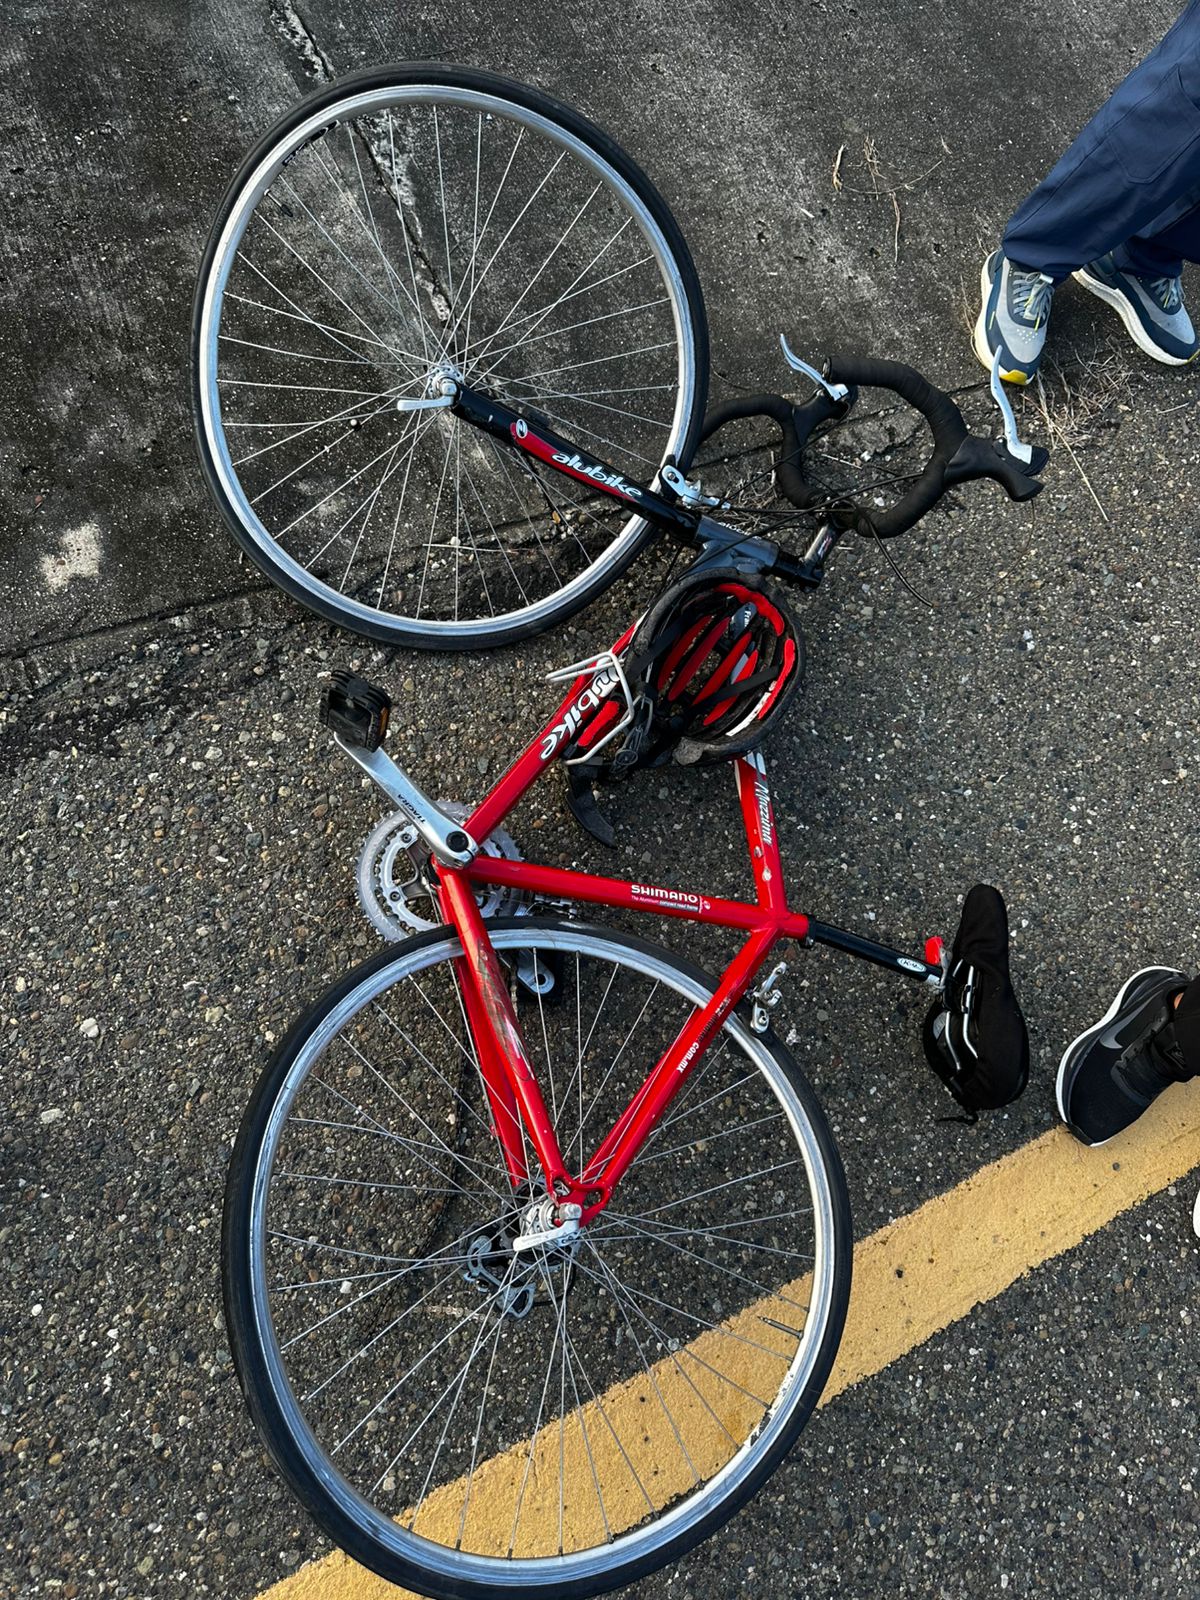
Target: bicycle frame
510	1082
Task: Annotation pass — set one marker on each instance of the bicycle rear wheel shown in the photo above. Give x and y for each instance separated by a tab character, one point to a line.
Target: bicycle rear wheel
419	221
467	1418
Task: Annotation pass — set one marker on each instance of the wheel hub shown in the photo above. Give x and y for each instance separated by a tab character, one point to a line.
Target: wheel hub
443	379
549	1229
510	1267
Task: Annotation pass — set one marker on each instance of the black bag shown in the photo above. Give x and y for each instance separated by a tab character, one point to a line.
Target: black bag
975	1037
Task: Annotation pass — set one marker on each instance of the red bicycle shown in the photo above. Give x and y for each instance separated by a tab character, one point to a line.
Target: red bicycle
537	1246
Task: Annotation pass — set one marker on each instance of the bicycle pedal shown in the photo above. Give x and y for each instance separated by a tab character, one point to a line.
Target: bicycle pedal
355	710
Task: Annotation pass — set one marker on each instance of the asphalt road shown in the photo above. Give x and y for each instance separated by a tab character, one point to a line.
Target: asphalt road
181	842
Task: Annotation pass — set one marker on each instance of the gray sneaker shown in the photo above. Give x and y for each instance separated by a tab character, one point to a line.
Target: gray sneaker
1152	310
1013	317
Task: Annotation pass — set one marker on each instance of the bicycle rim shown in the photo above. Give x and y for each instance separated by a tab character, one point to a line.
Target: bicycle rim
471	1417
399	232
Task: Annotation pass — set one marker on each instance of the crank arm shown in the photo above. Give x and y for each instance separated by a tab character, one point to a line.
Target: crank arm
447	839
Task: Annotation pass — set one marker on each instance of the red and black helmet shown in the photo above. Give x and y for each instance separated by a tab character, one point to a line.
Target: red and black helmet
712	663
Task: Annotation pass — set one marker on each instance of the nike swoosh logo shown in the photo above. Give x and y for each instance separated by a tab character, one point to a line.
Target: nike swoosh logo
1111	1038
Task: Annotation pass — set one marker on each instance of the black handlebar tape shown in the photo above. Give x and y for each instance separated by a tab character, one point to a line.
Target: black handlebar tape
796	423
945	421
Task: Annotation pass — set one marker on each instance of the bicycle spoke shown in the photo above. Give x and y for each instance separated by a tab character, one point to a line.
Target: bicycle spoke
427	1154
437	139
470	1057
427	330
585	322
717	1188
294	355
308	1284
469	270
369	503
479	238
625	1305
362	1183
461	1385
433	520
405	1377
506	319
338	336
705	1323
359	412
408	356
654	1384
422	424
402	356
462	1521
711	1139
719	1235
692	1355
560	1314
634	1026
482	504
333	493
761	1289
495	254
573	290
438	1142
712	1059
372	230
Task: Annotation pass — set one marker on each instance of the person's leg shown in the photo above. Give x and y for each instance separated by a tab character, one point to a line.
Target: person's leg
1137	155
1115	1068
1165	242
1140	279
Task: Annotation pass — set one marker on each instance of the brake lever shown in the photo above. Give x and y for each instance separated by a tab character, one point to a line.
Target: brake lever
991	458
1023	452
1010	462
835	391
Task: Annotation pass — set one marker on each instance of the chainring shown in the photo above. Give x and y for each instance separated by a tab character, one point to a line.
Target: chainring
390	877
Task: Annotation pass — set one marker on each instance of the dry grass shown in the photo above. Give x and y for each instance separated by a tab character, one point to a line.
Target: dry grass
880	188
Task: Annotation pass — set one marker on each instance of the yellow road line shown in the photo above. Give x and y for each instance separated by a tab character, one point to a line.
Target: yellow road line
930	1268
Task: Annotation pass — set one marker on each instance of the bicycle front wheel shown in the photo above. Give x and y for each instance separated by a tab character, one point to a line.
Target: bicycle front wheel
409	224
468	1417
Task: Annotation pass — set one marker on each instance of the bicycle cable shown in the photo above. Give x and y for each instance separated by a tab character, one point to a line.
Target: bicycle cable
773	524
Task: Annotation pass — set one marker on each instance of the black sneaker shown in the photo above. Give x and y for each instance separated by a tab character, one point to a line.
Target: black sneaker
1110	1074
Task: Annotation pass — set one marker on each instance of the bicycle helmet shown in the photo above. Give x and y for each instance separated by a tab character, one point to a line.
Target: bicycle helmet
712	664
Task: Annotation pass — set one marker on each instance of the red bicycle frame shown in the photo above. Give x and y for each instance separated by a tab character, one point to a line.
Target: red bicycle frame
509	1078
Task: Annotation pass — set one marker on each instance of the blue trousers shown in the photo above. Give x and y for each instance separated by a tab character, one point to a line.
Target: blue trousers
1130	183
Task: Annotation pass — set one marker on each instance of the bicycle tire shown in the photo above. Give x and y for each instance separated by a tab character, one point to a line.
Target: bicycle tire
289	137
380	1542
